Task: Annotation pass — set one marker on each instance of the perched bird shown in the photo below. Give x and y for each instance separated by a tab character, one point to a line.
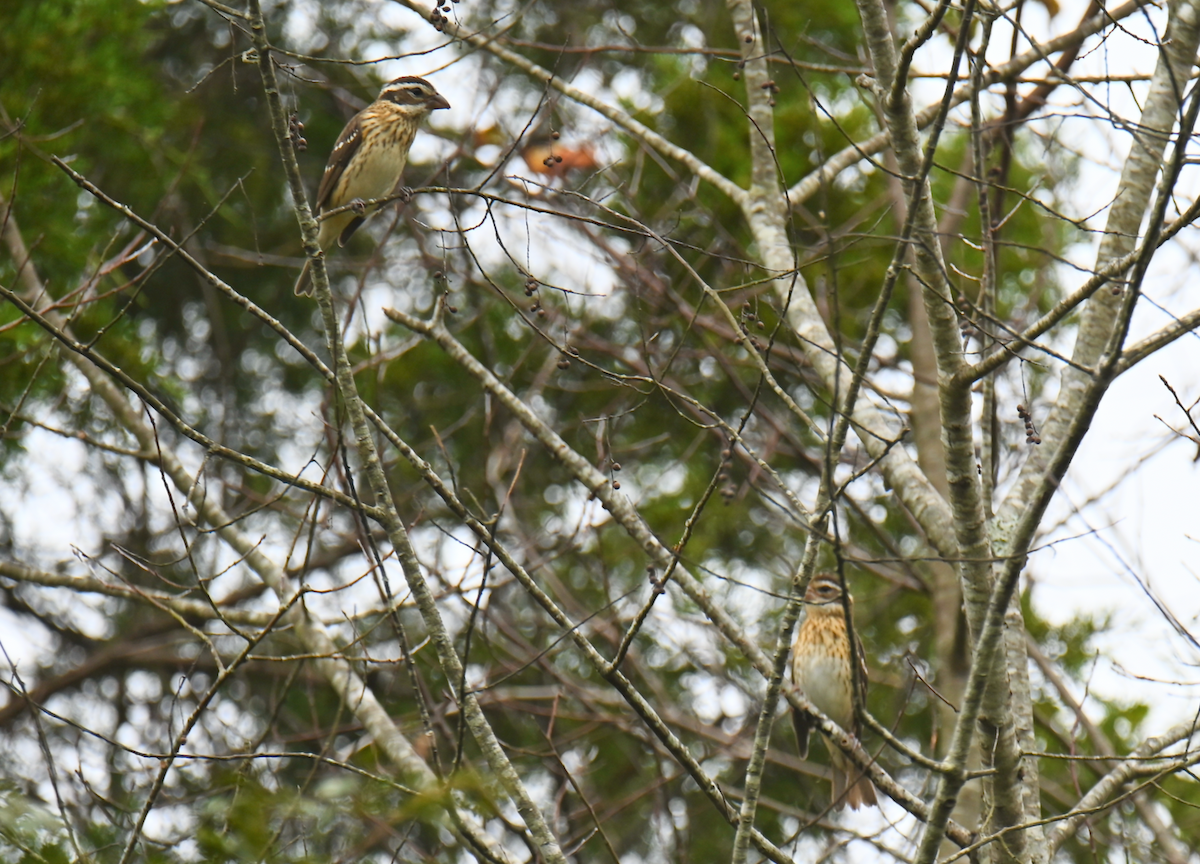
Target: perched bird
821	670
368	159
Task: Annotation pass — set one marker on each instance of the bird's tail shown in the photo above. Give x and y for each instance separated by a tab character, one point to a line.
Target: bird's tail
304	286
861	793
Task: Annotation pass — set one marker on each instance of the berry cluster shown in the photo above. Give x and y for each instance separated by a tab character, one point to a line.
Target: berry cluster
656	583
564	362
531	290
438	16
728	490
296	132
772	88
1031	436
553	158
748	319
439	278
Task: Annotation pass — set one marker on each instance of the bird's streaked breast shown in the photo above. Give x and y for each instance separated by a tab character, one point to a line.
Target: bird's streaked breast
382	155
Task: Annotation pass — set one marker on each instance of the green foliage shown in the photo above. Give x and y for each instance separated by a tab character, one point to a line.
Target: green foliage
1068	644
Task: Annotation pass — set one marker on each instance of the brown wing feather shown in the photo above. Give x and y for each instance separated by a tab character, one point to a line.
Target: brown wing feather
343	150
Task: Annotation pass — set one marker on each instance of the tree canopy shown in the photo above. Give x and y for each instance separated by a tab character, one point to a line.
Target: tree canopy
495	550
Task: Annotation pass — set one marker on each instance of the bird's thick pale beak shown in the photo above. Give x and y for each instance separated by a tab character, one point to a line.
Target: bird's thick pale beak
438	101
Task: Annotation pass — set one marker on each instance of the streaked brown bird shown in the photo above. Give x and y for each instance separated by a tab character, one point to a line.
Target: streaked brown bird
368	159
821	670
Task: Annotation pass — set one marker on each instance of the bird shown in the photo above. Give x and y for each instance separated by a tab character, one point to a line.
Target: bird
368	160
821	670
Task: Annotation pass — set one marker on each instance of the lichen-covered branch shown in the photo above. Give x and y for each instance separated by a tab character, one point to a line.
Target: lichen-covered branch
1133	766
349	686
1101	314
390	520
857	151
625	515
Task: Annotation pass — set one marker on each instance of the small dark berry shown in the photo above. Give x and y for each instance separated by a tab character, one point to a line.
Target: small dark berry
616	466
554	135
616	484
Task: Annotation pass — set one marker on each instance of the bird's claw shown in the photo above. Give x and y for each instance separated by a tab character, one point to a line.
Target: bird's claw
406	193
359	206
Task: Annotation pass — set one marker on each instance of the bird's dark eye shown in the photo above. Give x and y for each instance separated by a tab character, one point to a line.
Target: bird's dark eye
416	91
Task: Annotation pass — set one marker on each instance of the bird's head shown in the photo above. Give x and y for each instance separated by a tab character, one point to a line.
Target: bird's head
415	93
825	593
